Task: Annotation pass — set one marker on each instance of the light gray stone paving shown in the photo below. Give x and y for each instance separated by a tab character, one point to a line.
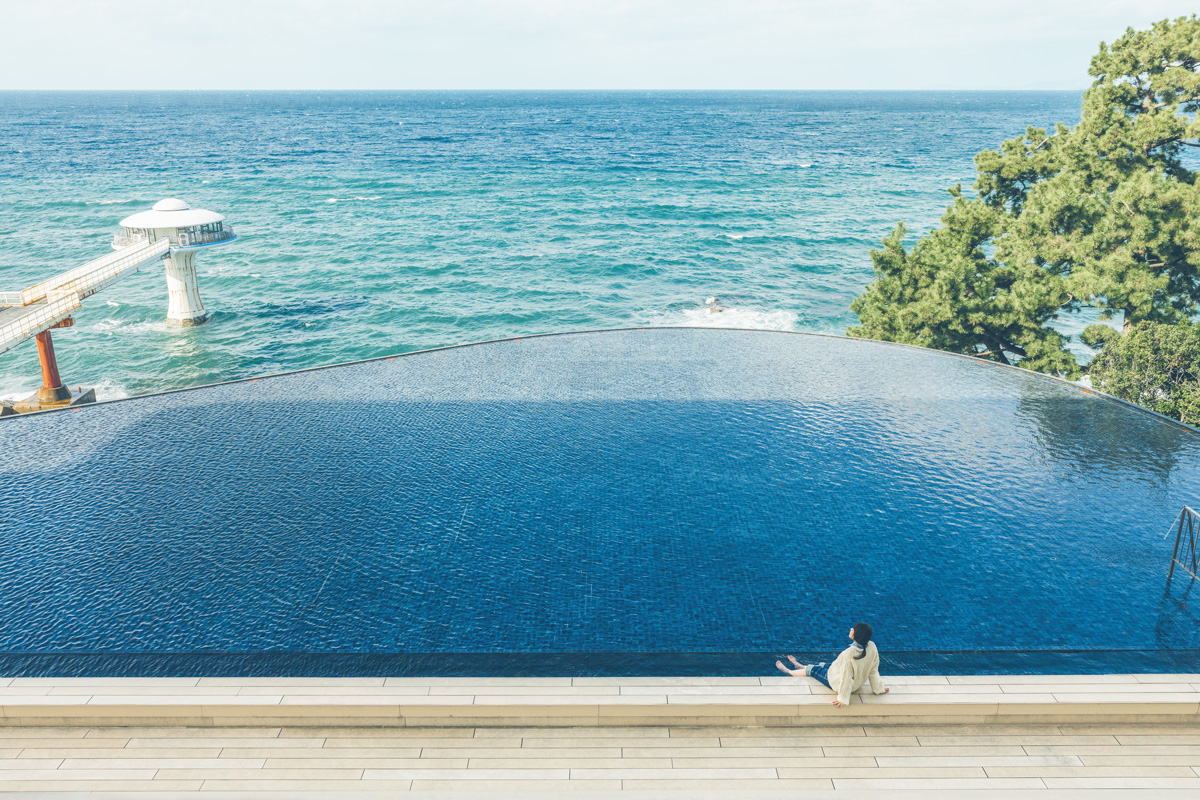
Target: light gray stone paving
1118	745
637	761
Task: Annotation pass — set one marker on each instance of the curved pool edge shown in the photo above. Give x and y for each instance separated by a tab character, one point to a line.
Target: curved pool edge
598	665
286	373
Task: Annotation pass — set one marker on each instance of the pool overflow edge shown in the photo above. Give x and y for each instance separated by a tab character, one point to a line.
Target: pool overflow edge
392	357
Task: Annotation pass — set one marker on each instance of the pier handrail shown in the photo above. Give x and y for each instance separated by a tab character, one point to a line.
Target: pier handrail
1187	544
210	237
54	311
10	299
95	275
121	239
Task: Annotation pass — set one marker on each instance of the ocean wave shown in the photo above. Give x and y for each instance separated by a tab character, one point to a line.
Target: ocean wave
60	203
12	390
742	318
108	390
110	326
759	238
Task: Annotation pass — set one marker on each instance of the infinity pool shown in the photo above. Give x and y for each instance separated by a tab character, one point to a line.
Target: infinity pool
671	501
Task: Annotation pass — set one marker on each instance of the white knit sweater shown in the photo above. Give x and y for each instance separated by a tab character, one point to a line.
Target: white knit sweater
847	674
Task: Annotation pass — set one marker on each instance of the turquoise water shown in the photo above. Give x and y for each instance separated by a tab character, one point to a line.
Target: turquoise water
376	223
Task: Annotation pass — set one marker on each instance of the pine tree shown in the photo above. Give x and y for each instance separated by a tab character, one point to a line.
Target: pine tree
1105	214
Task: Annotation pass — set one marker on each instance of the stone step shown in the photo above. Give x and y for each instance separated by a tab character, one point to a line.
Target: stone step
567	702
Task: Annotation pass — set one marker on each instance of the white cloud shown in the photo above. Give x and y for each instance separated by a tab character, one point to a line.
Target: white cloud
404	44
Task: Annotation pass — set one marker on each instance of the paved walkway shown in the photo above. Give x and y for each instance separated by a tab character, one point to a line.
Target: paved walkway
706	761
1058	736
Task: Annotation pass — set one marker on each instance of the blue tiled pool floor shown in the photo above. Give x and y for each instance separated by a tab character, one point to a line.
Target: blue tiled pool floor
609	503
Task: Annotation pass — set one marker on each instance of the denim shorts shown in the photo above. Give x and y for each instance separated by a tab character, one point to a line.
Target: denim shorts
818	671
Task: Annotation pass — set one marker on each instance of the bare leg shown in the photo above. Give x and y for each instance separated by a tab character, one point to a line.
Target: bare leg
797	664
795	673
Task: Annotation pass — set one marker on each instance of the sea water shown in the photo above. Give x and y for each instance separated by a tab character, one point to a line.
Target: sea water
374	223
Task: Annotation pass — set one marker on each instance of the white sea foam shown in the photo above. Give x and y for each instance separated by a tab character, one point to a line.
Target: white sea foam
12	390
110	326
743	318
107	390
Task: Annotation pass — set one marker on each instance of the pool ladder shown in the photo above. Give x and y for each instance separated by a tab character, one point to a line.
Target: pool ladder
1187	538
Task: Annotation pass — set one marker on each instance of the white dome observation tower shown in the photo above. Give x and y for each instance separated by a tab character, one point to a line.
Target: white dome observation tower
188	230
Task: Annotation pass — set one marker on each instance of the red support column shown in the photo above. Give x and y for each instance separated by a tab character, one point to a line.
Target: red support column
52	388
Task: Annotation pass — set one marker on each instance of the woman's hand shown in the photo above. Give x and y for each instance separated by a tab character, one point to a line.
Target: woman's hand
887	689
837	702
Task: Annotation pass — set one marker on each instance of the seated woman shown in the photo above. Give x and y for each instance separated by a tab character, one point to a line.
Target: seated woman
856	665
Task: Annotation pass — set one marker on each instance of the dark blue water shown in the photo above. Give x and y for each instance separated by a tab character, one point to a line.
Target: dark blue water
609	503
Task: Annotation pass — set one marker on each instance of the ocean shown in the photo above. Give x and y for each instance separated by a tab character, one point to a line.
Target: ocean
375	223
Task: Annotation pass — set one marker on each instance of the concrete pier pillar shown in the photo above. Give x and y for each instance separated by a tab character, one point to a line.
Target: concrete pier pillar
187	229
184	306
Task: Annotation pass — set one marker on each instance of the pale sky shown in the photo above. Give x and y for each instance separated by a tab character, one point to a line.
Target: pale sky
569	44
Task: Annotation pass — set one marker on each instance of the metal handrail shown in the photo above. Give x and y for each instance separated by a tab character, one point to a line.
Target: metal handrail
95	275
53	312
56	299
121	239
210	237
1187	538
10	299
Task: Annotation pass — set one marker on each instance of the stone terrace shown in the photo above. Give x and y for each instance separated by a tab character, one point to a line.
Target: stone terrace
1062	736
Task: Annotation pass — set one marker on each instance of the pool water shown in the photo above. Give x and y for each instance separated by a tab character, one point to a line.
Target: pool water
664	501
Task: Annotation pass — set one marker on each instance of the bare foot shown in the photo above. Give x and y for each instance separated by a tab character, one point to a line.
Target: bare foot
784	669
799	666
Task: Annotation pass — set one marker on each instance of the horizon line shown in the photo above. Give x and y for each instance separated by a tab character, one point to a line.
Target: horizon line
563	89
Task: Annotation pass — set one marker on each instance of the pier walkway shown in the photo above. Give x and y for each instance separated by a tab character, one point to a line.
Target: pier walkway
987	736
52	302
